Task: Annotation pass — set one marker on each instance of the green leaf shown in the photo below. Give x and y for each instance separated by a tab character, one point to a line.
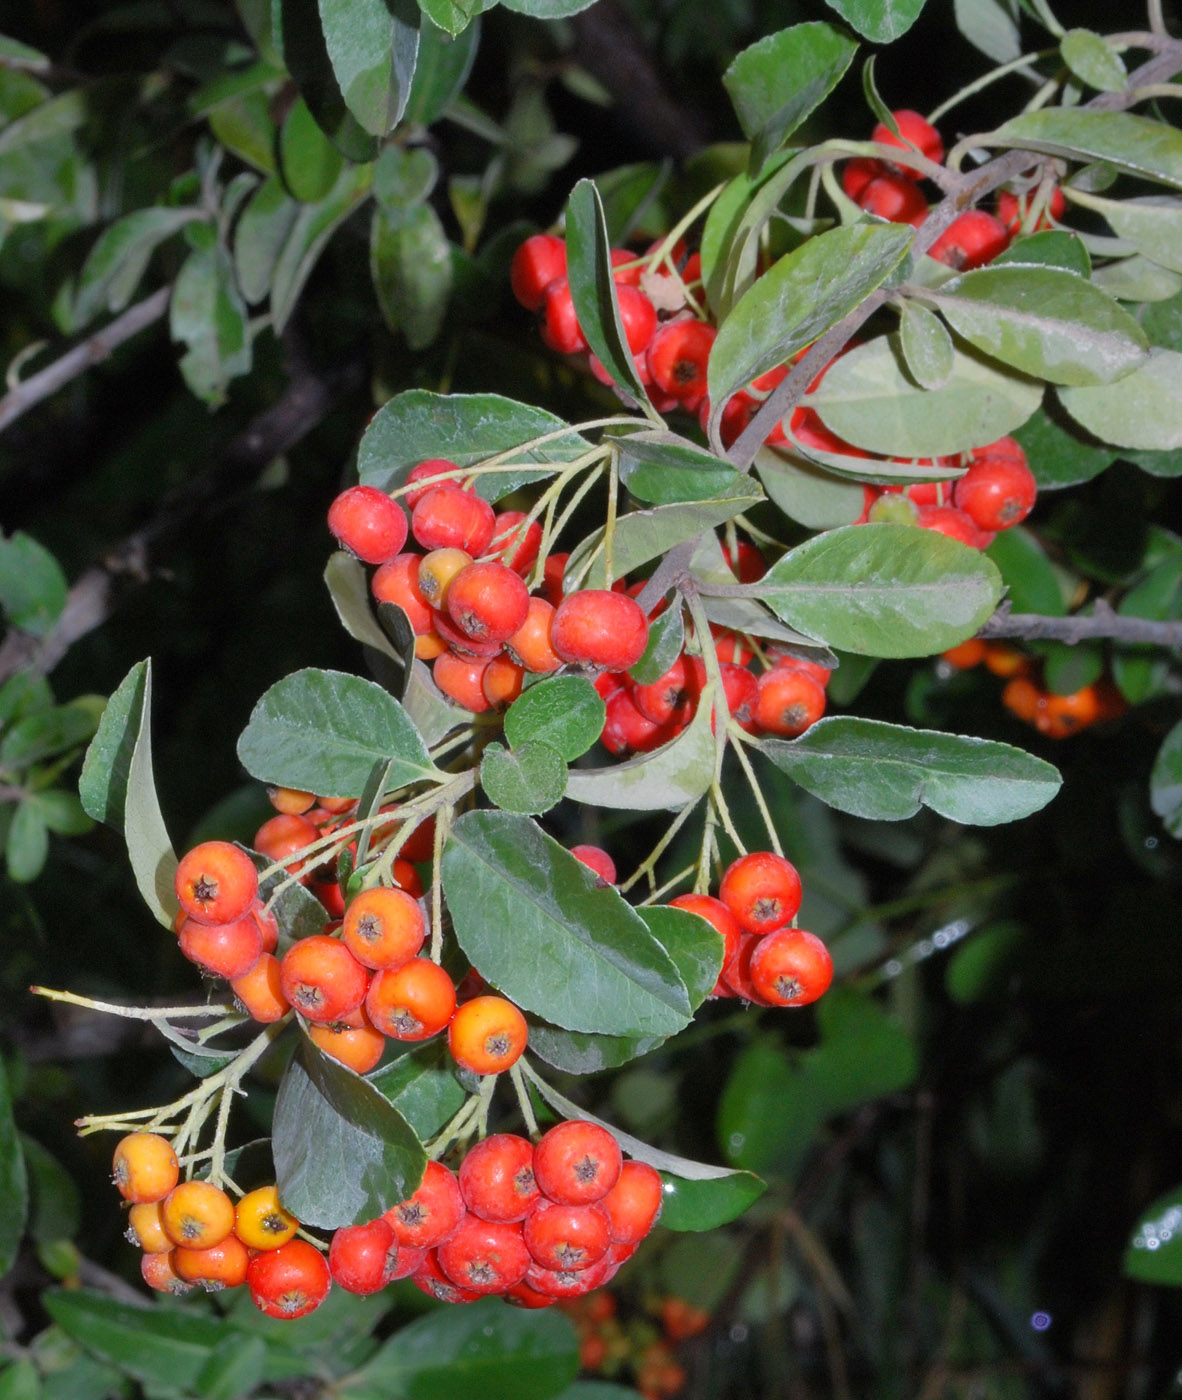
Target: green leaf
564	712
580	955
343	1152
669	777
1165	782
776	83
1143	671
1153	223
410	262
117	787
880	21
465	429
1048	248
32	585
693	944
55	1203
1144	409
311	164
548	9
530	779
593	288
867	399
372	46
1031	584
797	299
259	236
299	36
806	492
323	731
991	26
926	346
980	969
484	1351
642	535
314	225
348	586
577	1052
60	811
48	732
454	16
120	257
886	772
705	1205
243	124
664	469
235	1369
1058	454
14	1185
1154	1253
404	178
666	639
441	70
207	315
26	845
1092	61
1044	322
422	1086
165	1347
1135	145
1137	279
883	590
24	694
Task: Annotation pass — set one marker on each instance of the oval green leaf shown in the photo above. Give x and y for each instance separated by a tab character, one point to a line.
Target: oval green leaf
530	778
1143	410
1136	145
564	712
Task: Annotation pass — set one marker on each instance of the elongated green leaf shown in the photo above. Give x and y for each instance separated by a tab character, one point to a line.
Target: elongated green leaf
26	844
259	235
120	257
422	1086
801	296
1136	145
310	162
808	493
313	227
548	9
463	428
1165	782
880	21
705	1205
1153	223
883	590
991	26
1043	322
662	468
454	16
579	956
1031	584
52	731
343	1152
667	778
1048	248
868	400
372	46
441	70
1143	410
117	787
1154	1254
926	346
323	731
1092	61
565	712
14	1186
242	123
32	585
207	315
886	772
298	34
593	288
777	82
666	639
481	1352
410	262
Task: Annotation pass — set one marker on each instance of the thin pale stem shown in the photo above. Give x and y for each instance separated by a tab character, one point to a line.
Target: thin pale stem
648	865
523	1100
137	1013
670	884
741	739
979	84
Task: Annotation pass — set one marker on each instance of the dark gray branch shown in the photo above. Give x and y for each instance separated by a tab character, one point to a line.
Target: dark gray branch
1101	624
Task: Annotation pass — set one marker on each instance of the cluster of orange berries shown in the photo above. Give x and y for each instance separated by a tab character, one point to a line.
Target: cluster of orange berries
534	1222
466	598
1025	694
607	1345
765	960
356	985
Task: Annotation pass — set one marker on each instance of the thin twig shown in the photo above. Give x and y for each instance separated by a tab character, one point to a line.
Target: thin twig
1101	624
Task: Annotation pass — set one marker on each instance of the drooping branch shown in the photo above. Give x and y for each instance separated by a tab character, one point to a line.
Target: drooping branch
1101	624
91	351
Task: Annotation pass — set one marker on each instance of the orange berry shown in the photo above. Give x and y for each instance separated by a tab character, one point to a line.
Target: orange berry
197	1214
216	882
487	1034
260	991
145	1227
358	1048
159	1272
260	1222
291	801
411	1002
322	979
222	1265
384	927
145	1167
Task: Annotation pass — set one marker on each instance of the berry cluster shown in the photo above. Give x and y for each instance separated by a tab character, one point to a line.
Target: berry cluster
1026	695
765	960
466	598
610	1345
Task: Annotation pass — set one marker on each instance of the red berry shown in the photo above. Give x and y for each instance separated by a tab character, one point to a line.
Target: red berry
431	1213
514	546
790	967
368	523
914	130
567	1237
787	702
762	890
488	602
894	197
363	1258
741	690
462	679
435	471
225	950
948	520
719	917
484	1256
996	492
626	730
597	859
857	173
677	358
431	1279
577	1162
570	1283
497	1178
322	979
970	240
536	263
411	1002
216	882
673	696
634	1203
1012	210
397	581
559	324
448	518
289	1281
599	627
638	316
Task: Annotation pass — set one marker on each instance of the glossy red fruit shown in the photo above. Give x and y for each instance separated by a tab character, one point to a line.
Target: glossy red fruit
787	702
1013	210
368	523
634	1203
950	521
290	1281
597	859
559	324
972	239
570	1283
741	690
894	197
762	890
428	1216
599	627
638	316
362	1258
719	917
397	581
434	471
567	1237
673	696
536	263
223	950
322	979
281	836
430	1279
497	1178
577	1162
914	130
484	1256
462	679
411	1002
216	882
857	173
626	730
678	356
996	492
488	602
530	644
790	967
448	518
